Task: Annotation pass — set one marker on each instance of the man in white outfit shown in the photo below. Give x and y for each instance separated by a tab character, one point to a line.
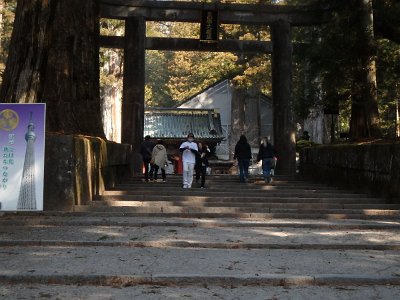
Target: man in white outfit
189	150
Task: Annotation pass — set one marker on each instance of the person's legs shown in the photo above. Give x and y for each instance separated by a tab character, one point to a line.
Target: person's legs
163	174
190	174
156	167
266	163
246	163
266	166
146	163
198	173
241	170
185	170
151	171
203	175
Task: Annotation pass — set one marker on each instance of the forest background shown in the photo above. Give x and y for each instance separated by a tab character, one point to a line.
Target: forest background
323	71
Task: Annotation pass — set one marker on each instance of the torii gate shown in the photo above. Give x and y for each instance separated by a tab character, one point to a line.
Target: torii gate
280	17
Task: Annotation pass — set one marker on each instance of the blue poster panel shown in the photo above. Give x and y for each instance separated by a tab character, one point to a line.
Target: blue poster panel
22	140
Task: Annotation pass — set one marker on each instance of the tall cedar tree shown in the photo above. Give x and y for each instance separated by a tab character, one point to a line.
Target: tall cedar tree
364	121
54	58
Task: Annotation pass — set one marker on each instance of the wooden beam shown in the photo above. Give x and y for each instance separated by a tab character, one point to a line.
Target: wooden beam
182	44
229	13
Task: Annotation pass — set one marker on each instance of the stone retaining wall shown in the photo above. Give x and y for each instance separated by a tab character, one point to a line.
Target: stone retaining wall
373	168
80	167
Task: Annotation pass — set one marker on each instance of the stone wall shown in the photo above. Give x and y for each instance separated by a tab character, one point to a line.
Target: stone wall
80	167
373	168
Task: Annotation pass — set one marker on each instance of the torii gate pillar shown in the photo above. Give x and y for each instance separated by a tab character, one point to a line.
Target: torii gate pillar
284	129
133	87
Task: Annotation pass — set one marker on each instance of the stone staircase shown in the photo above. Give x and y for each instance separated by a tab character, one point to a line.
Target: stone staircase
225	197
290	239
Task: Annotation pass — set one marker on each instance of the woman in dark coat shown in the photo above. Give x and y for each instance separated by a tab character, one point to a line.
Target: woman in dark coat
266	154
202	163
243	156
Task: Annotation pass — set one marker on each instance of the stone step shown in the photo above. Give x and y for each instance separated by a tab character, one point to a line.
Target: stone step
202	290
210	188
226	192
208	245
387	285
90	235
189	266
203	198
244	194
180	211
235	185
85	211
259	183
91	219
224	178
262	204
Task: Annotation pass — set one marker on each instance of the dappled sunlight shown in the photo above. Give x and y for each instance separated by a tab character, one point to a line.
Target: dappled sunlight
41	253
269	232
117	232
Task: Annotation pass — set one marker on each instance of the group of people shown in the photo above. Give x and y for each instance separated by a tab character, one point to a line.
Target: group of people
154	158
266	154
194	159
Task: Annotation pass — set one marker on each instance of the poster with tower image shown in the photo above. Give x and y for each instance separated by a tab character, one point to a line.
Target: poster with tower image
22	142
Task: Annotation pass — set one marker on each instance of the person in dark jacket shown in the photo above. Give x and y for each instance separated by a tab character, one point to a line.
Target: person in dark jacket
243	156
202	163
266	154
146	150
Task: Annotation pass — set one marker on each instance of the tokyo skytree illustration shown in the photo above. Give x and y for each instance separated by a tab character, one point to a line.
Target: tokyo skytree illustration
27	194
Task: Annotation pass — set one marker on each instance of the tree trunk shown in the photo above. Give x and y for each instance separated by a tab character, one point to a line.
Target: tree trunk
284	127
111	95
397	118
54	59
364	121
1	22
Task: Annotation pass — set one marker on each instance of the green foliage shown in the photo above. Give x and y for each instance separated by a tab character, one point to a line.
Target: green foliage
111	60
190	72
388	77
172	77
157	78
332	62
7	19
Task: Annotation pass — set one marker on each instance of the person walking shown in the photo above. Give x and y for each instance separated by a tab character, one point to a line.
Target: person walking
266	154
159	159
243	156
202	163
189	150
146	149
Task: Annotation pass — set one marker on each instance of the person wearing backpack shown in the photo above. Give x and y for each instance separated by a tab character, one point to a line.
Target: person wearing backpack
243	156
266	154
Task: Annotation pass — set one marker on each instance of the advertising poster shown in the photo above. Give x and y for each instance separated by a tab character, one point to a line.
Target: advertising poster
22	140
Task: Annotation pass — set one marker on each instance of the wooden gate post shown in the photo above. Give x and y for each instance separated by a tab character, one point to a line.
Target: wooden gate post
284	129
133	87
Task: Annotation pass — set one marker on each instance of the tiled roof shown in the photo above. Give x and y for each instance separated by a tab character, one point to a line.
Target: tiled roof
176	123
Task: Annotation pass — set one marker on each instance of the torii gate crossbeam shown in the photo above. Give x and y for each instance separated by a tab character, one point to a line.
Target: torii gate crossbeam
229	13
